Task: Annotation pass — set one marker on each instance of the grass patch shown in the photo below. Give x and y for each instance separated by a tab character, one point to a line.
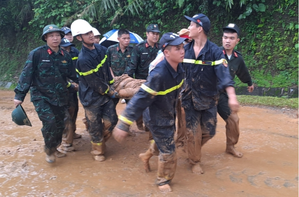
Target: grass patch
268	101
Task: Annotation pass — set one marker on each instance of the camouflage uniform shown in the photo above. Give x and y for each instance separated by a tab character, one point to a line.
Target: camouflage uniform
46	73
118	60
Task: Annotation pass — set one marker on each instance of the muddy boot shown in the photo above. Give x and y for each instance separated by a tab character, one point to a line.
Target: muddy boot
66	147
232	135
166	169
98	150
59	154
145	157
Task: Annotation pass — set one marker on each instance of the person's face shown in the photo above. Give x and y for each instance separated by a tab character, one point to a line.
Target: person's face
175	53
96	39
124	40
69	36
88	38
153	36
53	39
230	40
193	30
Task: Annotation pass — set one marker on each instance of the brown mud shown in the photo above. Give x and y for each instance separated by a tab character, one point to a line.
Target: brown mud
269	167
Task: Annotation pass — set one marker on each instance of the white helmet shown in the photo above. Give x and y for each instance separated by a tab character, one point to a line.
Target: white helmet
80	26
95	32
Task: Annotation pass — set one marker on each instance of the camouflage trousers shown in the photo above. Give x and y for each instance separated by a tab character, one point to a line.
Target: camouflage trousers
52	118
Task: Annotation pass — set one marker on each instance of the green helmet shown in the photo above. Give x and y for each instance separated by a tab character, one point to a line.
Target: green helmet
51	28
19	116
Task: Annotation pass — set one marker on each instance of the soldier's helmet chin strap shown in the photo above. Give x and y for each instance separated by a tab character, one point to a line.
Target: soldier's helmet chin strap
89	45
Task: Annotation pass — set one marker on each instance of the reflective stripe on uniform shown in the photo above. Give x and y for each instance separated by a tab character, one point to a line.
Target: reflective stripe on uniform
211	63
74	58
93	70
153	92
111	82
124	119
98	144
68	84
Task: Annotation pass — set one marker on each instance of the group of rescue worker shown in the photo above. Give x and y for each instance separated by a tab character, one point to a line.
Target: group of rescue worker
186	75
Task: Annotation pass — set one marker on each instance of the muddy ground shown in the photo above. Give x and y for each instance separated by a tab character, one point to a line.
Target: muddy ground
269	141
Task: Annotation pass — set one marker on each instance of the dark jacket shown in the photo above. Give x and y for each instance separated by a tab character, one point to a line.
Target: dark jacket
94	75
237	67
142	55
203	73
46	73
159	93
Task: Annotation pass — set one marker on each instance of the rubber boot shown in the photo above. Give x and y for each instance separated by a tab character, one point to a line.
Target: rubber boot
232	135
98	150
145	157
166	170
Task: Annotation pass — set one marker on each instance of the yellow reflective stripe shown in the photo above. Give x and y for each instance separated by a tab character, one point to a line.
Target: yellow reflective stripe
124	119
74	58
93	70
68	84
149	90
212	63
106	92
111	82
99	144
152	141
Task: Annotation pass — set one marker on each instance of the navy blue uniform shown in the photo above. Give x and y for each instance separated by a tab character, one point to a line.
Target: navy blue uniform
200	94
158	95
94	81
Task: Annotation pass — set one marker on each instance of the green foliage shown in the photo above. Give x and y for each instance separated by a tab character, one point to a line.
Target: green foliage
268	101
269	38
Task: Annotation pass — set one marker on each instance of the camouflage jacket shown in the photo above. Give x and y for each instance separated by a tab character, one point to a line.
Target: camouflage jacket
46	73
118	60
142	55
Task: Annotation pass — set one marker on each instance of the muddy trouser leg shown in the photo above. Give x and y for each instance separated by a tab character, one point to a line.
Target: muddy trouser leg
139	123
52	118
231	119
109	119
94	115
73	109
68	131
180	135
167	160
201	126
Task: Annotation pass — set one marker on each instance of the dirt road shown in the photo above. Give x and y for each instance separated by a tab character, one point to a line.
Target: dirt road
269	141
